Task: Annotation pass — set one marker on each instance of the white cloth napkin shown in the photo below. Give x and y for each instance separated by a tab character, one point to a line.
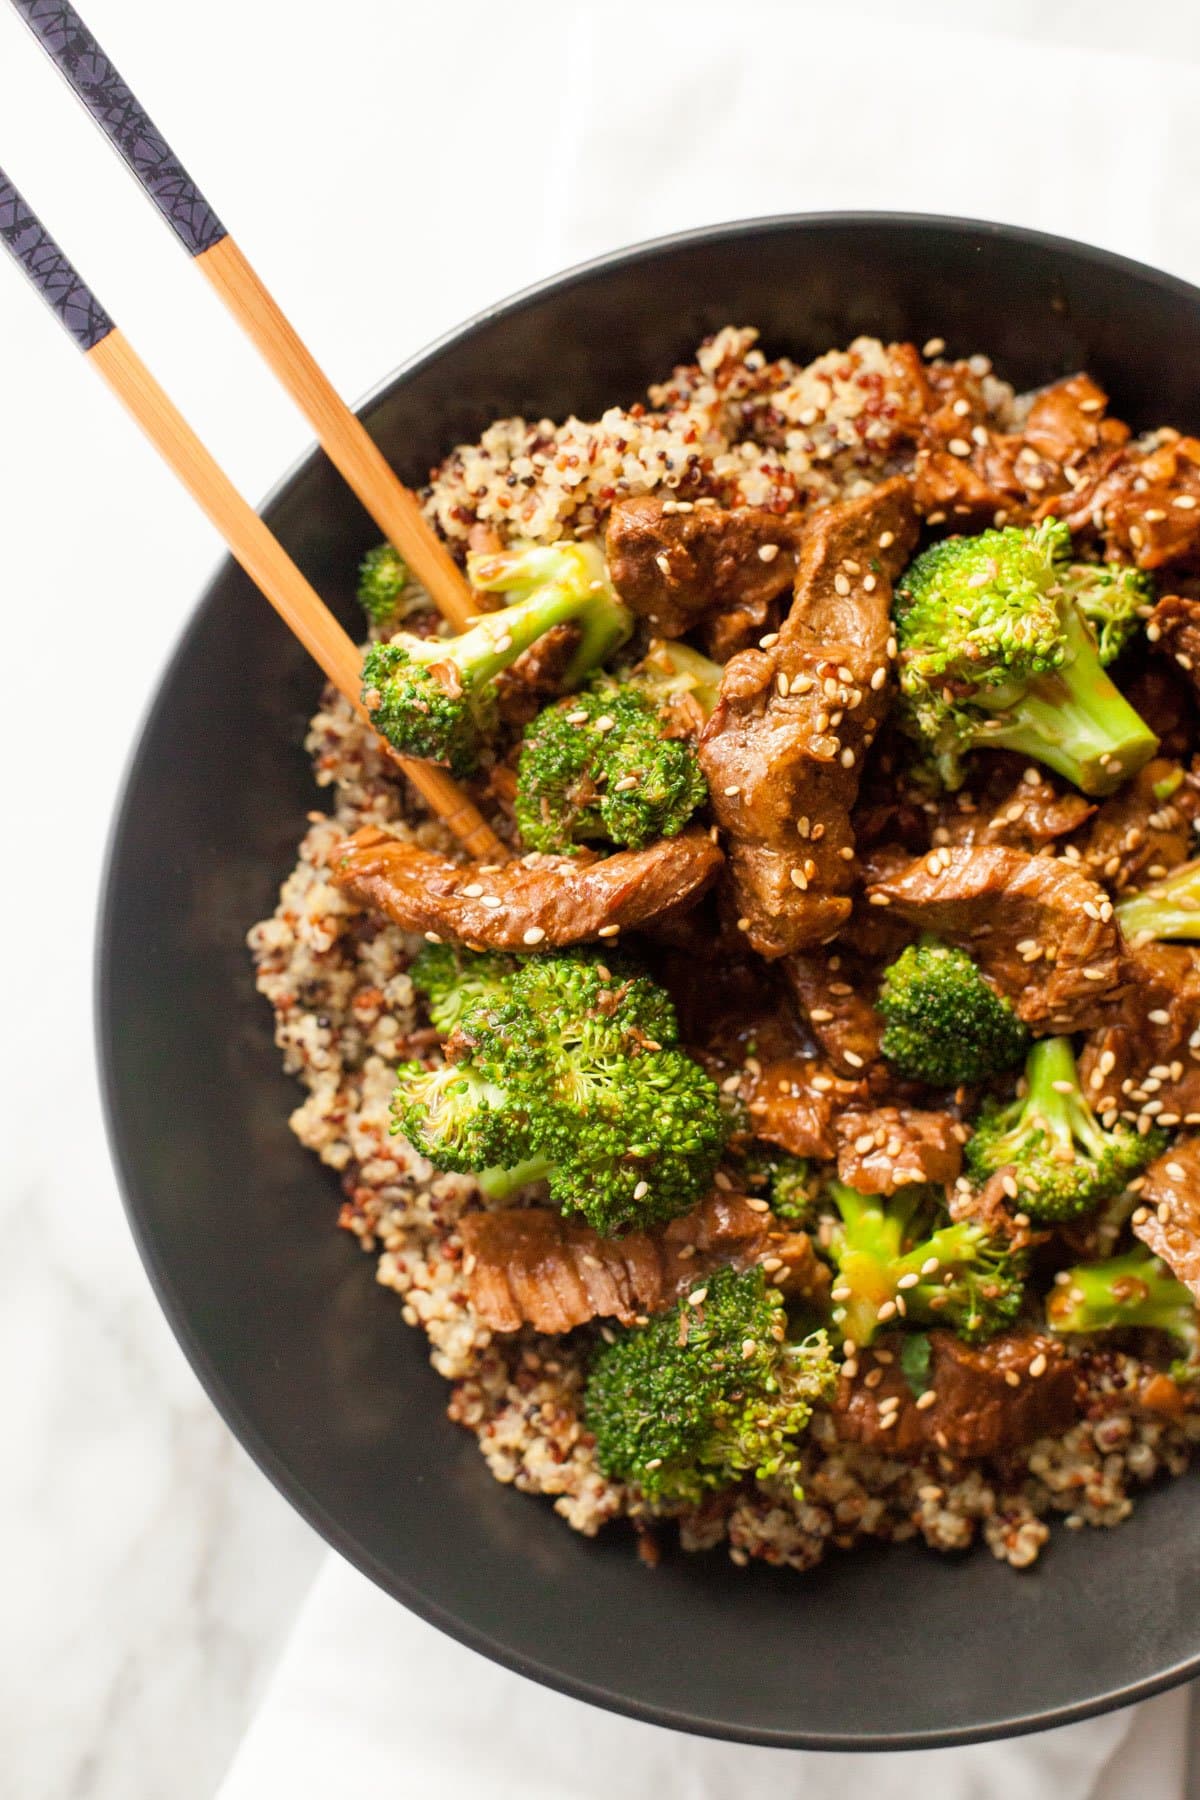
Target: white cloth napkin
672	113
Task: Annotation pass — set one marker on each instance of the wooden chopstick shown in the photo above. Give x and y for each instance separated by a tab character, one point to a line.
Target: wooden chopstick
261	555
75	52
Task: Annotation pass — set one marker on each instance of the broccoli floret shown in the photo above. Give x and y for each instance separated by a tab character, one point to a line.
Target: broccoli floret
789	1183
901	1257
1169	908
707	1393
382	579
1135	1289
435	697
995	652
597	766
452	979
1113	597
671	669
1063	1160
576	1068
944	1023
456	1117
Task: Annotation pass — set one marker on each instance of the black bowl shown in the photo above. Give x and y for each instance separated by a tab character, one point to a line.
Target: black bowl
306	1358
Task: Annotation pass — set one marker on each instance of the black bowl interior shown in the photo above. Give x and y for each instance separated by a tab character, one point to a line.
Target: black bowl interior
306	1357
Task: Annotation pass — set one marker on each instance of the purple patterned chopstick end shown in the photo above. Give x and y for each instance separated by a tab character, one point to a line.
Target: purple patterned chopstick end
71	46
55	278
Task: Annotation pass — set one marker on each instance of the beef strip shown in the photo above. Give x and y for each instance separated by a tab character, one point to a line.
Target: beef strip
971	473
794	1102
990	1207
1168	1218
1136	837
976	1411
1038	927
1028	815
1142	500
783	767
1174	626
679	565
539	900
831	991
1139	1060
891	1147
530	1266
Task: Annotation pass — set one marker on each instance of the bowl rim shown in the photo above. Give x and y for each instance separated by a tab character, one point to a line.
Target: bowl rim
293	1489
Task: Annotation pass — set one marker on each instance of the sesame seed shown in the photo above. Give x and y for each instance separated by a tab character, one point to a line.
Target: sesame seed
768	552
961	407
1012	1378
608	931
873	1378
576	718
729	792
1159	1016
748	1348
491	901
1184	502
886	539
768	642
852	1057
847	758
663	562
431	937
534	935
605	722
782	683
934	346
878	900
908	1281
878	679
1176	1171
926	1400
887	1311
846	853
473	892
641	1190
655	1462
698	1297
840	1293
841	584
959	447
1063	1087
930	1266
626	782
743	924
1038	1365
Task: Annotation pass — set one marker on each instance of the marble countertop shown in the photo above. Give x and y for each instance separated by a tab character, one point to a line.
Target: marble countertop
150	1572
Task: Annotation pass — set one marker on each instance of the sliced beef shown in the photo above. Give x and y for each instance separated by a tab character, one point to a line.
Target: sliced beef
970	473
1174	626
679	565
793	1102
1028	815
1140	1060
890	1147
988	1398
1038	927
540	900
1136	836
1142	501
536	677
834	995
530	1266
1168	1217
783	750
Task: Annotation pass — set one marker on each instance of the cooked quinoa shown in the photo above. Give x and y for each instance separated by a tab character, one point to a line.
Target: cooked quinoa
741	430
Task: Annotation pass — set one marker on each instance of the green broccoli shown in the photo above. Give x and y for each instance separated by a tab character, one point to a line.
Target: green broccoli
901	1257
576	1071
435	697
788	1182
382	579
597	766
452	979
1169	908
1133	1290
1063	1160
612	764
943	1023
1113	598
707	1393
995	652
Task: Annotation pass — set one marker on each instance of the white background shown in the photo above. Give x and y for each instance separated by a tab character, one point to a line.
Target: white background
390	168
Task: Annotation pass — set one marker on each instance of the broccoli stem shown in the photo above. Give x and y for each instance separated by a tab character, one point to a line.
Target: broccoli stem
1055	1100
546	580
502	1184
1169	908
1077	721
1130	1290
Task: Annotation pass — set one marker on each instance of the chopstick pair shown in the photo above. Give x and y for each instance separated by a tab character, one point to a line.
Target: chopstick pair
70	45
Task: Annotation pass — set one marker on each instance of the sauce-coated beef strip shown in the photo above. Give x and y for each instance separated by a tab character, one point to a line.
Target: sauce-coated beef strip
538	900
1174	627
530	1266
832	993
680	565
794	1102
1141	1054
1038	927
890	1147
1144	829
1028	816
1168	1215
977	1411
1142	501
783	750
